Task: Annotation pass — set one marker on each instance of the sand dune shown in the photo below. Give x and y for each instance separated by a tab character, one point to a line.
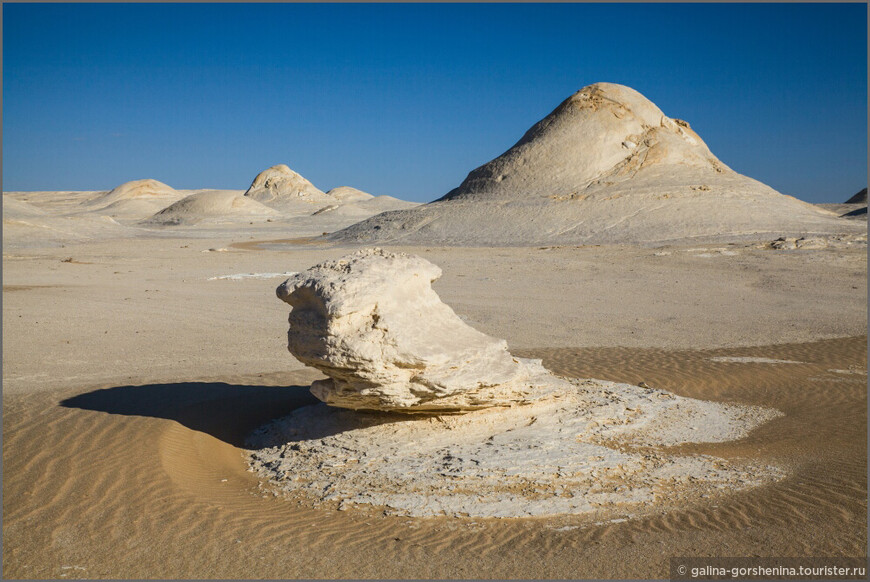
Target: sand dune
605	166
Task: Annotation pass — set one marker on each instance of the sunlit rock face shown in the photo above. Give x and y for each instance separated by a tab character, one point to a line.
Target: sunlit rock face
281	188
372	323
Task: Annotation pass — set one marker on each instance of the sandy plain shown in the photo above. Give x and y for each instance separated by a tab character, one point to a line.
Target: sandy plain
132	373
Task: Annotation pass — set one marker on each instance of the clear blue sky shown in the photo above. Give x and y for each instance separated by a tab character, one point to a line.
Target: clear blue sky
407	99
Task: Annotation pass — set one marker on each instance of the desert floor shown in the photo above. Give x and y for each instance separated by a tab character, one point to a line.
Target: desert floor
131	375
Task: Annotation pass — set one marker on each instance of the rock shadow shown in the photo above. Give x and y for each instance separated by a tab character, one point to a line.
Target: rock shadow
229	412
322	421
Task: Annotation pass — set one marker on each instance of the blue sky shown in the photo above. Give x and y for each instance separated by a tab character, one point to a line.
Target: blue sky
407	99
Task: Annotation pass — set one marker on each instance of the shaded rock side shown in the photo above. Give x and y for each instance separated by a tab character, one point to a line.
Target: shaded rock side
859	198
372	323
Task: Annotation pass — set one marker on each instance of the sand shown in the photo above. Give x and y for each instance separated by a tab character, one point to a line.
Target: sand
137	361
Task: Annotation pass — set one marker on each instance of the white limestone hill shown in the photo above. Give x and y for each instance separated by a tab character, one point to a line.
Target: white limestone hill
606	166
281	188
210	206
147	189
133	200
345	194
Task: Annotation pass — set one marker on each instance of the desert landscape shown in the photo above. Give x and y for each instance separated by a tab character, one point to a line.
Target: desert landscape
686	374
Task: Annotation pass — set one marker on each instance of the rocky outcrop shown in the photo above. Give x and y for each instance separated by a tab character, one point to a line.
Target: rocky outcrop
372	323
148	189
606	166
528	444
859	198
282	188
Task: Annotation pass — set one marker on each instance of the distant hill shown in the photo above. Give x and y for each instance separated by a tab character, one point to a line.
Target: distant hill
606	166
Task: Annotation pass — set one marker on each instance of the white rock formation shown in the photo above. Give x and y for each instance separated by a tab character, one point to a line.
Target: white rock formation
147	189
211	206
599	447
606	166
133	200
346	194
281	188
528	444
372	323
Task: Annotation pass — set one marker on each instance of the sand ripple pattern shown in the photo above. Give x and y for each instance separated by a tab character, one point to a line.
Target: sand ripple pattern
150	481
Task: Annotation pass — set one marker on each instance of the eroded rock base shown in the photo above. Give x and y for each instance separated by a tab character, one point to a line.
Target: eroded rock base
596	446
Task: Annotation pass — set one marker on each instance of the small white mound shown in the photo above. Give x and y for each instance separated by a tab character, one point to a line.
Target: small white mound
134	200
345	194
210	206
281	188
136	190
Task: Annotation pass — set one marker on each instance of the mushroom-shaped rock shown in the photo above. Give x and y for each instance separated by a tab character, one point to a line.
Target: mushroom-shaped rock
373	324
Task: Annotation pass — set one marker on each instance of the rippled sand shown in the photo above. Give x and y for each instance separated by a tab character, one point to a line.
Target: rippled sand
149	481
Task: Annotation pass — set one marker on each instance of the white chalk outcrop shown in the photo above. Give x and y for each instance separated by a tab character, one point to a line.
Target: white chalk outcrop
606	166
136	200
211	206
345	194
372	323
528	443
281	188
147	189
599	447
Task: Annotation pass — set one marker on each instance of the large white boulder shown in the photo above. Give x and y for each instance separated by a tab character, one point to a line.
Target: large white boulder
372	323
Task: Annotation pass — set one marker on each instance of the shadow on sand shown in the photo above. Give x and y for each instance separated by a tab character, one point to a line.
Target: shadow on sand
228	412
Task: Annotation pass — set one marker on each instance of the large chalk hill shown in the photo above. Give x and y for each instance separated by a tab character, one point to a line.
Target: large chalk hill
605	166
